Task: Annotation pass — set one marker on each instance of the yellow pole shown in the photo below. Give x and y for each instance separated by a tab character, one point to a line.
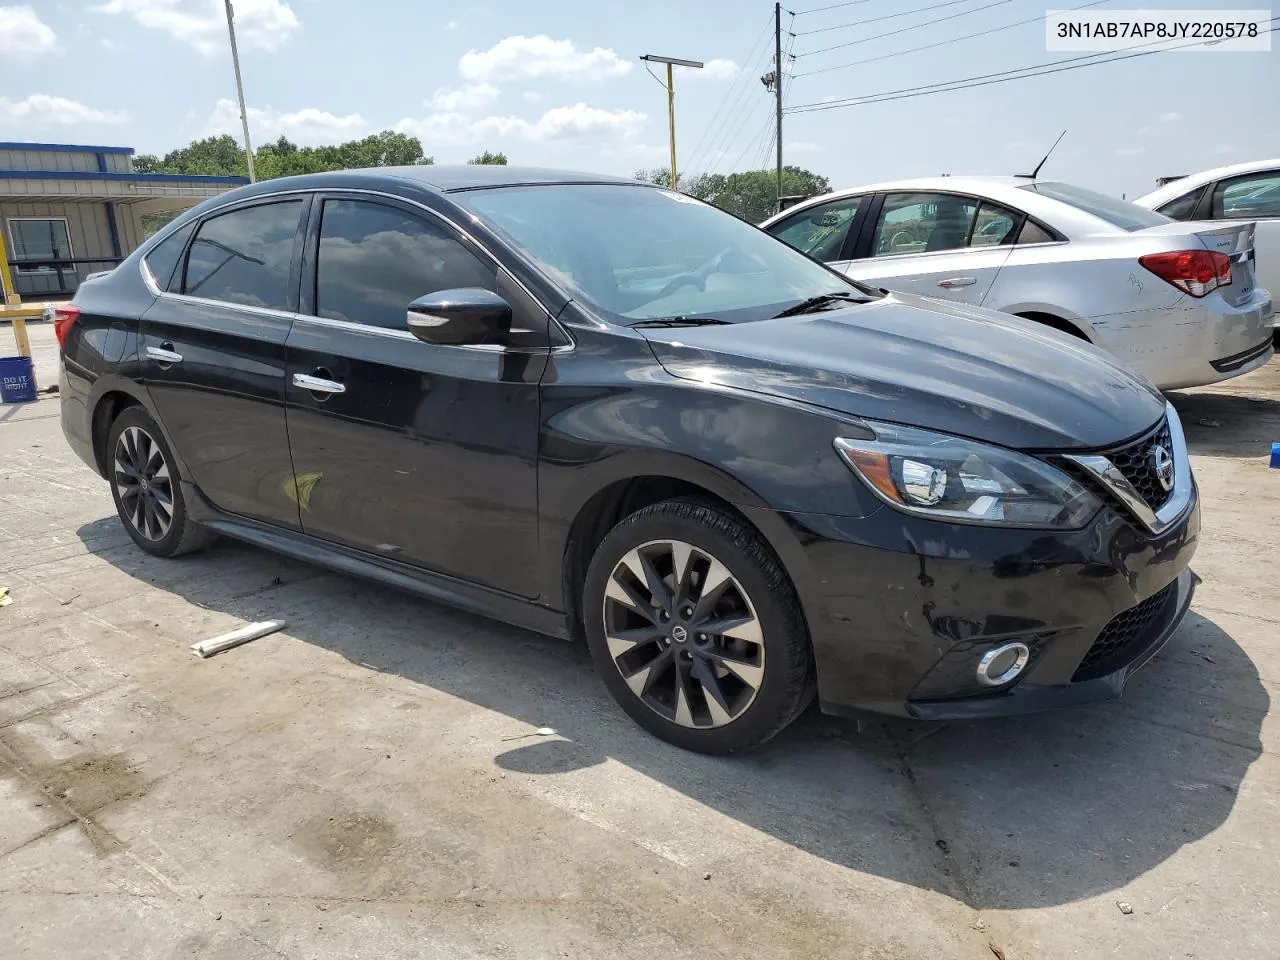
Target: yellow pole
20	336
7	294
671	121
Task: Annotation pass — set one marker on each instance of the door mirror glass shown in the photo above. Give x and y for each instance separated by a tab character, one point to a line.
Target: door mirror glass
465	317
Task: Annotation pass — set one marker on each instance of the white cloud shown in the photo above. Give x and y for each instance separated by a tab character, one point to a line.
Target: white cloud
306	127
577	122
801	148
1173	117
1130	151
23	35
523	58
261	24
40	110
531	96
717	70
471	97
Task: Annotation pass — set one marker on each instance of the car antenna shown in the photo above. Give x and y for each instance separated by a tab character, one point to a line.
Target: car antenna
1032	174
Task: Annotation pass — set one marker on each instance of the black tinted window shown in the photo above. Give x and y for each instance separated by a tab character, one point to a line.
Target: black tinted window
375	260
164	257
1184	206
1119	213
244	256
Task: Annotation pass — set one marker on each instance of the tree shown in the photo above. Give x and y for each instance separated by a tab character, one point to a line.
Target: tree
751	195
499	159
222	156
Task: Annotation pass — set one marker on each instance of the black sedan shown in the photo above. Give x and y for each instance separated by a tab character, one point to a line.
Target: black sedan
600	409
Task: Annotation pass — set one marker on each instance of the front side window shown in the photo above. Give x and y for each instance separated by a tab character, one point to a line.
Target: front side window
1247	198
922	223
375	260
820	231
39	241
244	256
636	253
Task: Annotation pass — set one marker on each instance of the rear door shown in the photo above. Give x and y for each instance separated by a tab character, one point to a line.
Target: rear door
943	245
213	355
415	452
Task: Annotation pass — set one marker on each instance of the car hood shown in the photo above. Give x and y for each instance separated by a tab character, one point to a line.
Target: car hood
928	363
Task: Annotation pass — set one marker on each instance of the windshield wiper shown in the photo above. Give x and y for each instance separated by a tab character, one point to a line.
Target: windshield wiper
821	300
680	322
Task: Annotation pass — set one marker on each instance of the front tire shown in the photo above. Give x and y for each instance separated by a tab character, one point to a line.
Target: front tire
146	487
696	629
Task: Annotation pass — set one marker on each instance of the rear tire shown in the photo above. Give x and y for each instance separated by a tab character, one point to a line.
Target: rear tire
147	488
715	659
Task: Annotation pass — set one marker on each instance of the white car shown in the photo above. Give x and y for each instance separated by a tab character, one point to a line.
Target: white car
1176	302
1243	191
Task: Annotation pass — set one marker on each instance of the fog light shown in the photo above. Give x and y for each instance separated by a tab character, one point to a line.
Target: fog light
1001	664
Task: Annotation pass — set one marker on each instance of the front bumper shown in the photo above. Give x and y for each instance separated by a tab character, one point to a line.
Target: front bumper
900	609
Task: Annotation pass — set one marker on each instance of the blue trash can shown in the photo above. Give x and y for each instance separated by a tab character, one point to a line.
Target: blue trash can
17	380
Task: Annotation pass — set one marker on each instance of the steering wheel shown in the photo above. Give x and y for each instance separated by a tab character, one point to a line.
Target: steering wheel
696	277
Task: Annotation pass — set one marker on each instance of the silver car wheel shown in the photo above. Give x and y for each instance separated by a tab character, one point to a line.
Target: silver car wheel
143	484
684	634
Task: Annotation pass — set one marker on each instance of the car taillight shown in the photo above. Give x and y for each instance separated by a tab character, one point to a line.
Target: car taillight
64	318
1195	272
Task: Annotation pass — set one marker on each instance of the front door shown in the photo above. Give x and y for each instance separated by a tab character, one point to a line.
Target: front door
935	245
213	357
419	453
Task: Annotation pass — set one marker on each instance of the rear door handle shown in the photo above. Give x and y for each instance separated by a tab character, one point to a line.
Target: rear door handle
952	282
318	384
164	353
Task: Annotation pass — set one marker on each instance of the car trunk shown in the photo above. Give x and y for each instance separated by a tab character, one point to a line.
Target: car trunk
1234	239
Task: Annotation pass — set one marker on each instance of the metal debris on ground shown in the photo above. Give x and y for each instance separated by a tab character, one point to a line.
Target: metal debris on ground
252	631
1125	907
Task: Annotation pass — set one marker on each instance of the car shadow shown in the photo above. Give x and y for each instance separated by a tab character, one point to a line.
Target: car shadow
1229	419
1008	814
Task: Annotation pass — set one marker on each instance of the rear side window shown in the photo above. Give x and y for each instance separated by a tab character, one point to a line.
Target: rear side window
375	260
1246	198
1119	213
244	256
1032	232
993	226
1184	207
820	231
163	259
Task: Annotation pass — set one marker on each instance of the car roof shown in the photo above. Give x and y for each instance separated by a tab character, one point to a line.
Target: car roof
1177	188
442	178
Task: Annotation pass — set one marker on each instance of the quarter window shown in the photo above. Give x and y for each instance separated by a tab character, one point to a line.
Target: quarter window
1184	207
375	260
1248	197
922	223
1032	232
164	257
244	256
820	231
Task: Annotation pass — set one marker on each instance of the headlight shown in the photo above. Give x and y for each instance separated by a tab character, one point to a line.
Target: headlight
949	478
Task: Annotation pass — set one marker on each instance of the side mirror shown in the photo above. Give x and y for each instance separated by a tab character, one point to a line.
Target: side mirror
469	316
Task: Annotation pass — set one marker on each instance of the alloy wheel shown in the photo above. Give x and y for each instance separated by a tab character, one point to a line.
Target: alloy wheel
143	483
684	634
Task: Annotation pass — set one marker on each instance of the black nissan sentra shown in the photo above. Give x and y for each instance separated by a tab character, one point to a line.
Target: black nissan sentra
599	409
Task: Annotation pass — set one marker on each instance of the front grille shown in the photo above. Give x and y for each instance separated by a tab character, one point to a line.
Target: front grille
1137	463
1124	637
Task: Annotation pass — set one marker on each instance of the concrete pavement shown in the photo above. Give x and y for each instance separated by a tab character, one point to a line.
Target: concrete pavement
368	783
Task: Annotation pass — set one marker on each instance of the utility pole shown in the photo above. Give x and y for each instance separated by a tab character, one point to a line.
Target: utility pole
671	101
244	114
777	86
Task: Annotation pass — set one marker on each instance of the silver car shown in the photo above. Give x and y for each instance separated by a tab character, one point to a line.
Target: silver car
1177	302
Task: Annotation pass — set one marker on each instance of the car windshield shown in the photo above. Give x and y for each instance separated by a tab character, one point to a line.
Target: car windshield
636	253
1118	213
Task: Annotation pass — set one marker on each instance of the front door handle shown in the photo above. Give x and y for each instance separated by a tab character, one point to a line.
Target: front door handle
952	282
164	353
318	384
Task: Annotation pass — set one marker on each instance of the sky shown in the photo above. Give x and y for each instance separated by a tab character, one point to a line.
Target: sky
560	83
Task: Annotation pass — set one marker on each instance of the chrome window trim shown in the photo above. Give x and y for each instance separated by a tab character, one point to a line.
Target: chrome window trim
150	283
1157	521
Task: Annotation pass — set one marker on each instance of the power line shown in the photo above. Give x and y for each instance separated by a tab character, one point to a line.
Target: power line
983	80
733	123
894	33
943	43
887	16
848	3
744	75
